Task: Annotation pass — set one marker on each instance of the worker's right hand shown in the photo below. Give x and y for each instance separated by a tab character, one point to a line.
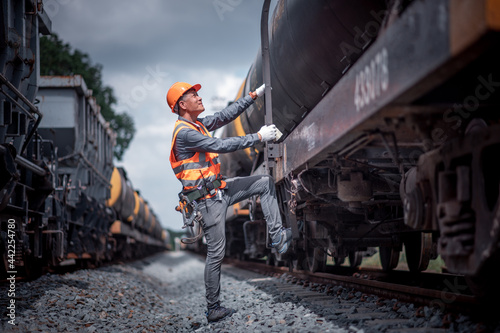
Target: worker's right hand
267	133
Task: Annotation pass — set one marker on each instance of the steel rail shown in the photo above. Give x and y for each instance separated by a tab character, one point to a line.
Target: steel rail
444	299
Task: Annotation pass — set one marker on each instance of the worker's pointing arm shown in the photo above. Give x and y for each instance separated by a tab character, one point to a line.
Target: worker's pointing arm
232	111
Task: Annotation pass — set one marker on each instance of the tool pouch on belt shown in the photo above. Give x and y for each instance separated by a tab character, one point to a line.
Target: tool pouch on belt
187	209
191	217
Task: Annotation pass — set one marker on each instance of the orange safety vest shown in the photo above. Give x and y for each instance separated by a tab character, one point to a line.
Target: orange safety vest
201	168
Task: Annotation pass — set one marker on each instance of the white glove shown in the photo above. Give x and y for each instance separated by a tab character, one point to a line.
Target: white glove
268	133
260	90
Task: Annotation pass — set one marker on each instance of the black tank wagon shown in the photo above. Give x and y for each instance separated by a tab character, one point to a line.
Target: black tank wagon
389	112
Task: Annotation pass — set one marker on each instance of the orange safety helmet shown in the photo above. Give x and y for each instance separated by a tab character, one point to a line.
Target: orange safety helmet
177	90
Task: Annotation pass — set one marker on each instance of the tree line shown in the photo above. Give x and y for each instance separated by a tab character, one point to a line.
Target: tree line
58	58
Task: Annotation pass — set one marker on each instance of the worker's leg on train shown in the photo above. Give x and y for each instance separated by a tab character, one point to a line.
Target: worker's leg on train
241	188
214	215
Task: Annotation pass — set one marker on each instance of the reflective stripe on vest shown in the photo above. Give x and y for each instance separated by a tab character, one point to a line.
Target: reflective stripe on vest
198	169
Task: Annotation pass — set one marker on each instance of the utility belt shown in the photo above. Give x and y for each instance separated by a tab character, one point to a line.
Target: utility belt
198	193
188	206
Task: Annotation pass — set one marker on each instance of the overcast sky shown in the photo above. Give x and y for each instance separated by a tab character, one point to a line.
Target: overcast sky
145	47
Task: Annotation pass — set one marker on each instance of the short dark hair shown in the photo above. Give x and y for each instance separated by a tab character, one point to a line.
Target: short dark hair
176	106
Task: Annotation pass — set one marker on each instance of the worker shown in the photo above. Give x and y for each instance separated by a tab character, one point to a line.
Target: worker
194	159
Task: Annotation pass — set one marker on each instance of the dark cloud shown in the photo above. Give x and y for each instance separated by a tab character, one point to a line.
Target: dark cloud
121	34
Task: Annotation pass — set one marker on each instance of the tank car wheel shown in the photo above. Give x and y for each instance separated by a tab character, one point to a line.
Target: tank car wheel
389	257
33	267
316	259
338	261
242	256
418	249
485	287
270	259
299	262
355	258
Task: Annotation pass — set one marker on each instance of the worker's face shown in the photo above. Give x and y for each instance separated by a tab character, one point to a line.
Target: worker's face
192	102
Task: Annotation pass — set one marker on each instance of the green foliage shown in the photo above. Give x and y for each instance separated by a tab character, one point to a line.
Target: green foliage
58	58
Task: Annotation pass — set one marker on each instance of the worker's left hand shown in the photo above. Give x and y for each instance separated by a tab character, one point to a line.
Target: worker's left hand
267	133
258	92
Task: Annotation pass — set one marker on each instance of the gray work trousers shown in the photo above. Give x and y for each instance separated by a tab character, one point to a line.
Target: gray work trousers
214	217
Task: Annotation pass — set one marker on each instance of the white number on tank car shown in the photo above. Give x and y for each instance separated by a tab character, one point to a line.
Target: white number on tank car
372	80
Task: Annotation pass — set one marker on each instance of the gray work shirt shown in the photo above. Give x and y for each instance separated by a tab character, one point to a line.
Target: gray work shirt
190	141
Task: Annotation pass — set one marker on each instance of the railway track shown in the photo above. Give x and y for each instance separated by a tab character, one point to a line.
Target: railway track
447	292
373	300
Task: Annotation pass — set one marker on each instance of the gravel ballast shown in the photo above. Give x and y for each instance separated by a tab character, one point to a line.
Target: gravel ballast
166	293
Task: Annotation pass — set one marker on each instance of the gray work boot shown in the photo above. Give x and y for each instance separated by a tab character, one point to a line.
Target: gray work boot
218	313
282	242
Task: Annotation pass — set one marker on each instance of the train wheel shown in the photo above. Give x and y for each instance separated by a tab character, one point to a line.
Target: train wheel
389	257
241	256
355	258
418	249
485	285
316	259
338	261
300	261
33	267
270	259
